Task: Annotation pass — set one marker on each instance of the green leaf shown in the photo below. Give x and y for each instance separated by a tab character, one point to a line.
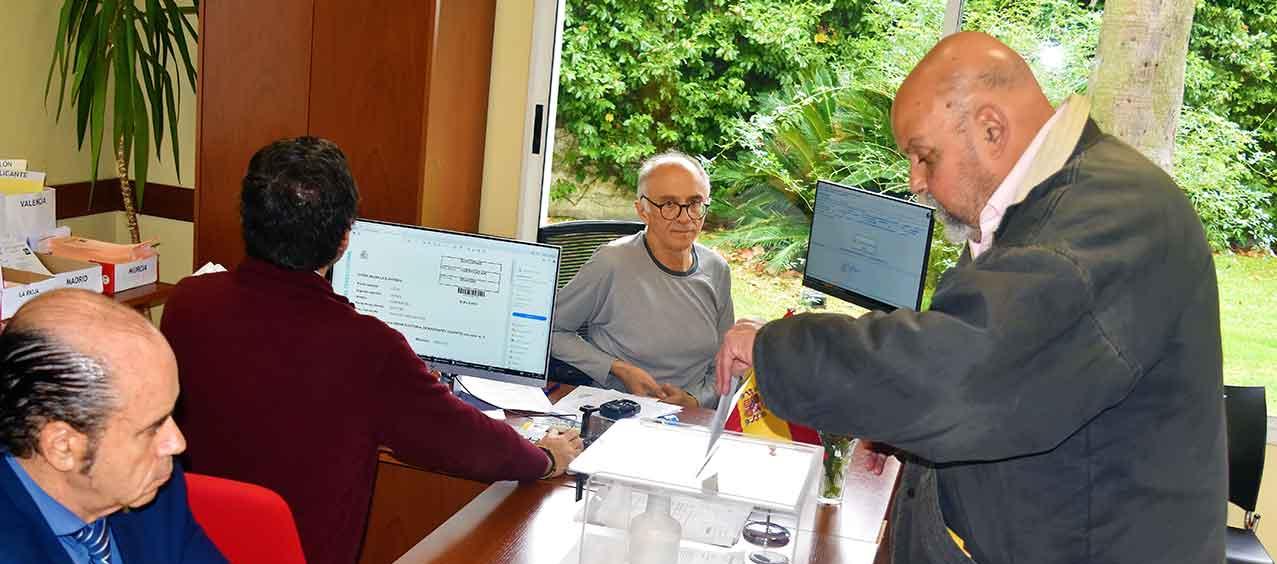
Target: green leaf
86	49
179	38
97	113
84	104
123	100
172	123
59	53
141	148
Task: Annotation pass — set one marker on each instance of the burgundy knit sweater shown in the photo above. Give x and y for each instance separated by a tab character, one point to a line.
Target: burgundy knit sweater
285	385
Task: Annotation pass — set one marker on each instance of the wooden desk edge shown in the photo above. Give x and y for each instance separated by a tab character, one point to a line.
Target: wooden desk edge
459	525
150	295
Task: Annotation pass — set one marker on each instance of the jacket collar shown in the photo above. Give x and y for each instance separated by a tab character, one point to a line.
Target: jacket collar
1059	146
1024	210
305	281
29	516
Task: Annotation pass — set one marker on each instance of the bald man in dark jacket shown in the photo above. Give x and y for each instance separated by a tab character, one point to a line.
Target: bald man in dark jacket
1061	401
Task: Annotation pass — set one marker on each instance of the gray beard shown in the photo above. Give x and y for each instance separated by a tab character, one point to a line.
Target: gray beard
955	231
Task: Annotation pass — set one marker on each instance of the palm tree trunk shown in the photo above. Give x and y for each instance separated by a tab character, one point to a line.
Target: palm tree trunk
1138	83
126	192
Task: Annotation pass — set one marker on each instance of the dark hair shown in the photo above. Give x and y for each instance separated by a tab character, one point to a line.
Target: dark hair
297	203
42	381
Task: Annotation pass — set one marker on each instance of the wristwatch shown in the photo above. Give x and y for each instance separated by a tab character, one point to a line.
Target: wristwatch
554	464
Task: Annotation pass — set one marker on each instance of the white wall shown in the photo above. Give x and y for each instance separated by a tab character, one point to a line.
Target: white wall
507	101
28	131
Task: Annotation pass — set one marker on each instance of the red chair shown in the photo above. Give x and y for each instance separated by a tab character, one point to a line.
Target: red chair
248	523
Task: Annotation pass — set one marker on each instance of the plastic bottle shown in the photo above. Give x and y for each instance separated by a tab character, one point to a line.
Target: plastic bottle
654	534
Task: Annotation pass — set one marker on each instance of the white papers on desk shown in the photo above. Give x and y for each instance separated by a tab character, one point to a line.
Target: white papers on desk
14	253
585	395
506	396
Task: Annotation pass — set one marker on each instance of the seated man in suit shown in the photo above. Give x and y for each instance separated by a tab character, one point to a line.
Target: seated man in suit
287	386
655	304
87	389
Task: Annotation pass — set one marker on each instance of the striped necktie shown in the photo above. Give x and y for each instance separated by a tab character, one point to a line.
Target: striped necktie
97	539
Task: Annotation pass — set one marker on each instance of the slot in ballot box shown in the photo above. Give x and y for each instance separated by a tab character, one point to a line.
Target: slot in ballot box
742	505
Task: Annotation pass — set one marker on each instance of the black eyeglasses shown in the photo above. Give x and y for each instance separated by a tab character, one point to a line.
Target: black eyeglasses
670	210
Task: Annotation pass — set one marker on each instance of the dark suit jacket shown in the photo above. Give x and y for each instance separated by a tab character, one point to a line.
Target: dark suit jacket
162	532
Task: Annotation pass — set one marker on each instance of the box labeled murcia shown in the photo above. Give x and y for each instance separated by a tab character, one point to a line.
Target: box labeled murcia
123	266
118	277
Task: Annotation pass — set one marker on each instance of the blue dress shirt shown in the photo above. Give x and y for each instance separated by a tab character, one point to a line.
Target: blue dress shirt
63	522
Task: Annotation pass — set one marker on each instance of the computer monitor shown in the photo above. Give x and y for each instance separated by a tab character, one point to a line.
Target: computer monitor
868	249
467	304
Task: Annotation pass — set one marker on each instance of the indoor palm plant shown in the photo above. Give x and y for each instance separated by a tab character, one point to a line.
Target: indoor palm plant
118	53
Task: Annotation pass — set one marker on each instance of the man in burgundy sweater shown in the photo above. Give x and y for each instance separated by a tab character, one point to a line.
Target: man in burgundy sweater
285	385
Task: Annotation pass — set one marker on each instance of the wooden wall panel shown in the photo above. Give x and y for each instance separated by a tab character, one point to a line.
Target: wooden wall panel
368	93
254	80
456	132
409	503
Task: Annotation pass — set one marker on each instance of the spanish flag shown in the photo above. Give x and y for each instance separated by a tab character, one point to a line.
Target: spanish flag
751	417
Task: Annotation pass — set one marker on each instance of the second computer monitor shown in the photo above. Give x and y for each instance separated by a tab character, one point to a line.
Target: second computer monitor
869	249
467	304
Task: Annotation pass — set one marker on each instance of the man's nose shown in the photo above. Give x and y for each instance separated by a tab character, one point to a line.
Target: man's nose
917	186
175	443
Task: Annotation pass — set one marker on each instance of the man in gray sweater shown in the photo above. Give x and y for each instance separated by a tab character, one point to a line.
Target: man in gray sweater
654	304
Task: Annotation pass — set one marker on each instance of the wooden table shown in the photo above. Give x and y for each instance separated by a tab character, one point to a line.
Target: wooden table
466	521
533	524
143	298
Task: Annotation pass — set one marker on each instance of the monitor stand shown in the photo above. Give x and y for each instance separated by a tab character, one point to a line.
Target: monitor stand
450	380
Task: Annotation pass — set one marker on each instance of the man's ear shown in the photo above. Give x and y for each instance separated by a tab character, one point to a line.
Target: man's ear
992	130
345	244
640	209
62	447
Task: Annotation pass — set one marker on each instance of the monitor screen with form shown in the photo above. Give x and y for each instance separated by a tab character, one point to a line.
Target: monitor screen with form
869	249
467	304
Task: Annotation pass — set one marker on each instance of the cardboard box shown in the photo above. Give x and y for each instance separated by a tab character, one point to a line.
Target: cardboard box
67	273
25	287
74	273
118	277
30	214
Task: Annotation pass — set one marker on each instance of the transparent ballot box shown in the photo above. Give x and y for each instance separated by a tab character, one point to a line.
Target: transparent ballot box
654	497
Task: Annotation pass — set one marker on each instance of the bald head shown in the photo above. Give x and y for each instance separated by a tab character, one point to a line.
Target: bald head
88	323
963	116
87	392
966	68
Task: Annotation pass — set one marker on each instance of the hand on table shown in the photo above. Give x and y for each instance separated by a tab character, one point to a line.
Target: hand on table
876	455
677	396
637	381
564	447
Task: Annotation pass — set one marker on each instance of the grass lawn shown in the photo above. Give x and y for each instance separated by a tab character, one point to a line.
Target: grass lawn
1248	321
1248	310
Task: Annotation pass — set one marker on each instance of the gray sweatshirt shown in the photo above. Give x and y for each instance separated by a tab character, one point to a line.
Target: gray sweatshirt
634	309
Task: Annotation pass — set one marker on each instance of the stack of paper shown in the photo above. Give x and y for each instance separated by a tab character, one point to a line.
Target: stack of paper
16	179
14	253
505	396
584	395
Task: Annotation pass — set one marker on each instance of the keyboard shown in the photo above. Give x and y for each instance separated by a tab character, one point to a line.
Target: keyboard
535	429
